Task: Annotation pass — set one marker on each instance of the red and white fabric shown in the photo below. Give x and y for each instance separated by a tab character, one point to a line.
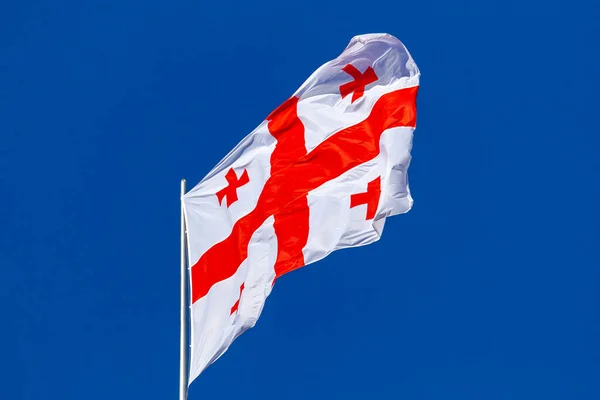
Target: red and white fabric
321	173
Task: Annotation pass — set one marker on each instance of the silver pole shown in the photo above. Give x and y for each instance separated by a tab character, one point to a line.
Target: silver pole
182	315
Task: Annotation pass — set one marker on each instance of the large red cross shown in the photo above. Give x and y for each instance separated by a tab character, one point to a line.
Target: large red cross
233	183
294	173
358	84
370	198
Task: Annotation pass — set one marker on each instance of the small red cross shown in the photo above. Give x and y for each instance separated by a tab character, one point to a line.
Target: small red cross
231	190
358	84
370	198
237	303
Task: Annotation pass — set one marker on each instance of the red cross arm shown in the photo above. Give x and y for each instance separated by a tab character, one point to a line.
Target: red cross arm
291	223
237	303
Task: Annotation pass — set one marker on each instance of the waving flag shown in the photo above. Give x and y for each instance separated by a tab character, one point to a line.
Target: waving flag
321	173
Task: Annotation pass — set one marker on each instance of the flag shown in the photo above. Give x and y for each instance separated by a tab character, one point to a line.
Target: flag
322	172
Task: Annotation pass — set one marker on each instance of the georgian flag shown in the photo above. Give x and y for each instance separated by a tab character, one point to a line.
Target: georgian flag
321	173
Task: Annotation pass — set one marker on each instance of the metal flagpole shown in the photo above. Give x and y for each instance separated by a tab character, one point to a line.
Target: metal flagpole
182	315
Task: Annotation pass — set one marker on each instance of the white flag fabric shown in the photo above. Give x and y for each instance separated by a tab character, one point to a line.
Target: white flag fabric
321	173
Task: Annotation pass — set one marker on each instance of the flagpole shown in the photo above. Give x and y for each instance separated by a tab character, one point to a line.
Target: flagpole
182	315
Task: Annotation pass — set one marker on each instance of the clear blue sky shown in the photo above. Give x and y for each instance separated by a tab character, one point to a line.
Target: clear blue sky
488	289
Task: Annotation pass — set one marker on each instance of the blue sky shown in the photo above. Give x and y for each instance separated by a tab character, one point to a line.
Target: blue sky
488	289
